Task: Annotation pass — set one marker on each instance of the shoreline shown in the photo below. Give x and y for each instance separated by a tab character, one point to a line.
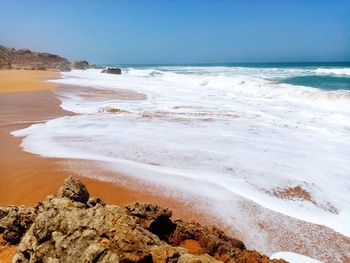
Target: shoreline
19	184
27	179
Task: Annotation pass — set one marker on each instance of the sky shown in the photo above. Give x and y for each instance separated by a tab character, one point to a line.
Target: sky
180	31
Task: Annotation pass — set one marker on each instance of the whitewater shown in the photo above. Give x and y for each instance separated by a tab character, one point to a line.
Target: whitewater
219	134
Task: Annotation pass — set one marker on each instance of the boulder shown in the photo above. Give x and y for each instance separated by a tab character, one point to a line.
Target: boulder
74	190
68	231
112	71
80	64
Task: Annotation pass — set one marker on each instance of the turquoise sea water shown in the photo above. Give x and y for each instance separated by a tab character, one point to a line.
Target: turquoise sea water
321	82
247	65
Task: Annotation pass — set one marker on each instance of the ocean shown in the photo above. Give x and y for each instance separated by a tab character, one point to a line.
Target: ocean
277	135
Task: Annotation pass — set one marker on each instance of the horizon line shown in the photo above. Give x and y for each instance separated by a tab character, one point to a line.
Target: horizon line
221	63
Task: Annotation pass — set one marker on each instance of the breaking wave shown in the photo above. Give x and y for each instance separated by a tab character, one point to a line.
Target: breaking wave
334	71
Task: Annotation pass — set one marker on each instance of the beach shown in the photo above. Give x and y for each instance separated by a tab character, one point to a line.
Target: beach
27	178
175	131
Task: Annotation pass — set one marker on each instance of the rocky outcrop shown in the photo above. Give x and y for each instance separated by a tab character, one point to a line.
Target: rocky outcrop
11	58
209	240
71	227
80	64
112	71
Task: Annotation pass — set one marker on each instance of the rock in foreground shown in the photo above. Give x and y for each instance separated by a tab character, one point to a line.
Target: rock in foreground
71	227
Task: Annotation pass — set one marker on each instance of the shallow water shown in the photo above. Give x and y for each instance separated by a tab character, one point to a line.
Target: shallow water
321	82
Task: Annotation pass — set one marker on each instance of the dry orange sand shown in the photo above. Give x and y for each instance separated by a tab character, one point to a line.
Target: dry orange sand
26	80
6	251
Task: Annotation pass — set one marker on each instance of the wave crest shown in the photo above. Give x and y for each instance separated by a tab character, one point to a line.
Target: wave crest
334	71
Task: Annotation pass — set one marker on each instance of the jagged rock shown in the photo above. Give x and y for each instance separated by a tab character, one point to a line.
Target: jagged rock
66	231
211	240
157	220
74	190
71	227
81	64
112	71
14	222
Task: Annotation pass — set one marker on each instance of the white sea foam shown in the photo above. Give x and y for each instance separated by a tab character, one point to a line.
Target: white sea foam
228	131
334	71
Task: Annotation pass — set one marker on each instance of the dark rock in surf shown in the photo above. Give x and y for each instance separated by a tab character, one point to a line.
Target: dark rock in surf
112	71
81	64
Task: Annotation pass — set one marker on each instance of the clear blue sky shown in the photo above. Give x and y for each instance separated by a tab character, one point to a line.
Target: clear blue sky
180	31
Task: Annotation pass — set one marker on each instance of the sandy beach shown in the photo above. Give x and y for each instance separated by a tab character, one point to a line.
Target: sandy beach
26	80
